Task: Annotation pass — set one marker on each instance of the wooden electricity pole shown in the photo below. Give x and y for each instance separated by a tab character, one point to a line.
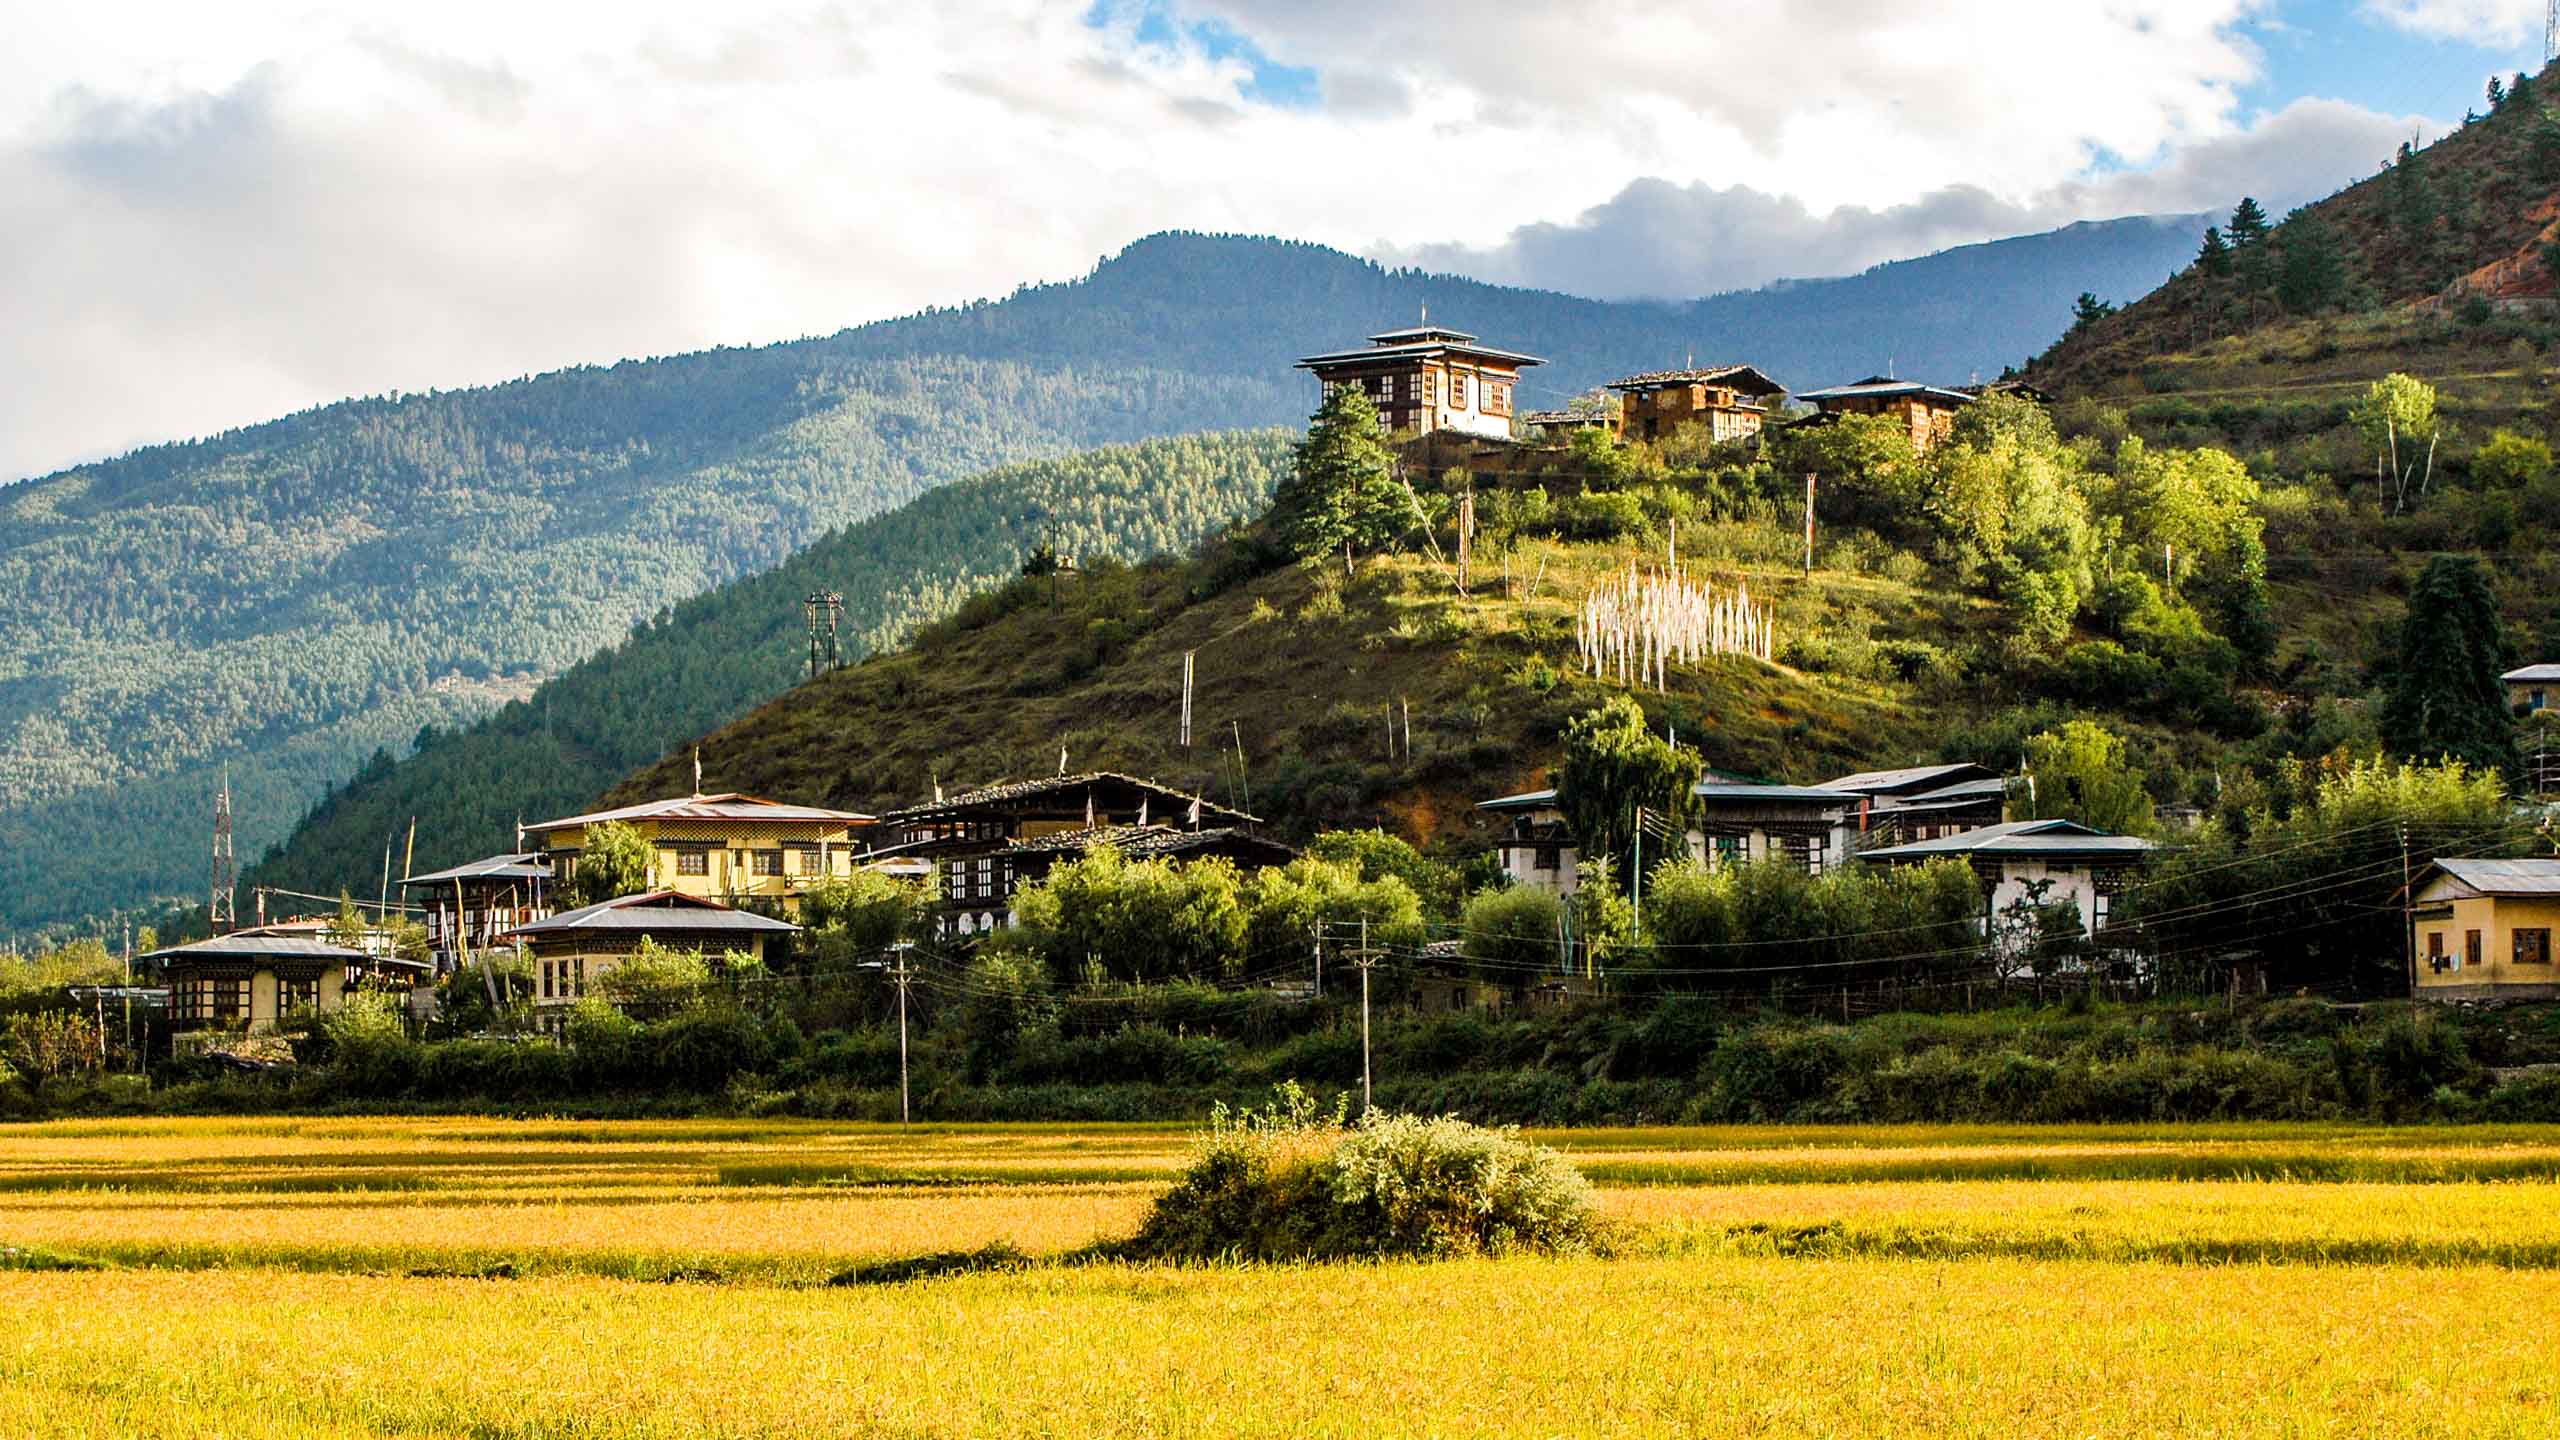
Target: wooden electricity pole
1466	534
1808	522
902	973
1365	958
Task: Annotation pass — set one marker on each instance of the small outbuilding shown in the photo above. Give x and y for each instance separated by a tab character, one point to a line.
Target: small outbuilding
2048	862
2482	929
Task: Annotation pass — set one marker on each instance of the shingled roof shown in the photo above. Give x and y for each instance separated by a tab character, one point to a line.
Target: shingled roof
1747	378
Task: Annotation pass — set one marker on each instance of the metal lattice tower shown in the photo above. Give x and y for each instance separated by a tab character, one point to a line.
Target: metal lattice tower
825	608
221	911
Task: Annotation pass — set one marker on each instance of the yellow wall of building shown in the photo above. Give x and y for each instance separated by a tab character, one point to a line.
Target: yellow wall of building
2497	920
729	862
588	958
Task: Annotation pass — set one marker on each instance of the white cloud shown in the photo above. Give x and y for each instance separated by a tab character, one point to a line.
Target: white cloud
2481	22
214	214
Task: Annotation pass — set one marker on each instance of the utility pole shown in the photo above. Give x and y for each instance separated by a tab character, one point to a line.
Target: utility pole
1365	958
1467	526
902	974
1808	522
1318	929
2408	923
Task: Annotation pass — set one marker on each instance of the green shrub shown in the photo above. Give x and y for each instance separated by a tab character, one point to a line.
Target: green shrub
1287	1184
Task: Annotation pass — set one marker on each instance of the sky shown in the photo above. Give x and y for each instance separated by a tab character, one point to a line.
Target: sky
212	215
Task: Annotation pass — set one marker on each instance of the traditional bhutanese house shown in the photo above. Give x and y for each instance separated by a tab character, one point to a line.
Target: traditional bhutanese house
1928	410
2060	861
2533	688
1740	820
1560	424
1429	378
253	980
1923	802
1729	400
574	949
469	906
967	835
2481	929
732	848
1026	862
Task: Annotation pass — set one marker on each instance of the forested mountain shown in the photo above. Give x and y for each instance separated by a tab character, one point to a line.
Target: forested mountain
288	598
712	656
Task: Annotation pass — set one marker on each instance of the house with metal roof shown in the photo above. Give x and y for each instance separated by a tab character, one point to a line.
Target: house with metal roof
1929	411
2482	929
254	980
1739	820
2035	862
1429	378
733	848
574	949
1730	401
988	841
1925	802
2533	688
469	906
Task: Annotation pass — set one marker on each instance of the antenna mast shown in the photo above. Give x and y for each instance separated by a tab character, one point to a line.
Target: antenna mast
221	911
2550	31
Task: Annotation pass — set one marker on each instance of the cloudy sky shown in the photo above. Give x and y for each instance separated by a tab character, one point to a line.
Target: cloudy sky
211	214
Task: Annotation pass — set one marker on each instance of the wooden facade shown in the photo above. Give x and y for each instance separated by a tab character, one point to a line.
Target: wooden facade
469	906
1927	411
1729	401
733	848
253	980
574	949
1739	821
985	842
1429	378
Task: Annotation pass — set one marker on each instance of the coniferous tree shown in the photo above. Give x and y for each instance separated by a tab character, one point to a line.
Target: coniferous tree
2215	256
2497	94
2448	701
2088	310
1342	490
2248	224
2313	276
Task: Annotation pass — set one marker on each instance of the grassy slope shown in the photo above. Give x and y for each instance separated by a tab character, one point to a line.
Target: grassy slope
1308	683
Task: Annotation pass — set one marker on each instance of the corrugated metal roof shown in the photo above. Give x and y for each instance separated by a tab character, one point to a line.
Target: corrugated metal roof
1874	780
2066	838
1414	352
527	866
1997	785
1884	390
709	807
2506	877
2531	673
1745	792
1008	790
1525	800
665	911
254	947
1740	377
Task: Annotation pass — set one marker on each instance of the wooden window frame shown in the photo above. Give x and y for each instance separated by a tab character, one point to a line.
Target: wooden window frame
693	862
2474	949
2532	945
768	864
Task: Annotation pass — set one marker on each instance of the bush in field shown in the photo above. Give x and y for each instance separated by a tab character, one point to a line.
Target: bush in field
370	1052
1286	1184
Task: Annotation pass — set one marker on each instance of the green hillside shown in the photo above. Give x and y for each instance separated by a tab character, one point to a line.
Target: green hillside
705	659
288	598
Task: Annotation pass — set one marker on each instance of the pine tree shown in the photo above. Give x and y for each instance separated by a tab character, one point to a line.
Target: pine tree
2088	310
2313	277
2497	94
2215	258
2248	224
1342	490
2449	700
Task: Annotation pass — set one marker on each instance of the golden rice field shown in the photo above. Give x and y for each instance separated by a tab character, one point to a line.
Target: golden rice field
496	1278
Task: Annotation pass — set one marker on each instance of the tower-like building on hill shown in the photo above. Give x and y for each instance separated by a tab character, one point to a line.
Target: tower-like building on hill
1429	378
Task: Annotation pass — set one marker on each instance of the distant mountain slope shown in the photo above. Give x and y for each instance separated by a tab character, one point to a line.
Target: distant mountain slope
717	654
287	598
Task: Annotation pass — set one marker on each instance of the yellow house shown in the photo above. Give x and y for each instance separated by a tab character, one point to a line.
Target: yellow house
2483	929
254	979
730	848
574	949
